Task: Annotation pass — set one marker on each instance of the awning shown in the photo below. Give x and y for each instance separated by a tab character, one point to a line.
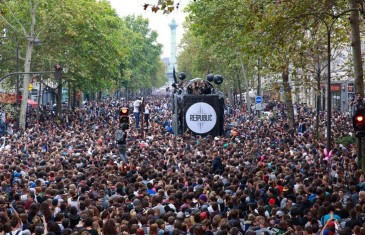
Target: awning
32	103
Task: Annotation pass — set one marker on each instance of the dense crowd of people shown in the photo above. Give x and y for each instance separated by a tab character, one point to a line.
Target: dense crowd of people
63	175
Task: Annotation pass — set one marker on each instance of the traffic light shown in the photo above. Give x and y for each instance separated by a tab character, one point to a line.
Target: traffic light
124	116
359	122
57	71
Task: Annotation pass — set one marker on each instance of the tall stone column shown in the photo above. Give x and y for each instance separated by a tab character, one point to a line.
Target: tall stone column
172	59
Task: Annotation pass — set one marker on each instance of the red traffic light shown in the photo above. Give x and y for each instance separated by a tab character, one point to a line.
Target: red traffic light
359	120
124	118
57	67
124	111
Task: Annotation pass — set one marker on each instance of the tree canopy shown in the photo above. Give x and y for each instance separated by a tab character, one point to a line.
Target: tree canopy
88	37
100	50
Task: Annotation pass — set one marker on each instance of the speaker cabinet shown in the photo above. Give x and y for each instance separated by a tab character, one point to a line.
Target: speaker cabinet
203	114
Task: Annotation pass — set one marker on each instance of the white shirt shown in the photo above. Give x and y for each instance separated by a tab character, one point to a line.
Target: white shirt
73	203
136	105
15	232
3	118
146	109
57	209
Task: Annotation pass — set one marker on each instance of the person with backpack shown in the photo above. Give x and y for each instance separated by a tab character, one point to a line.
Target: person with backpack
15	227
120	139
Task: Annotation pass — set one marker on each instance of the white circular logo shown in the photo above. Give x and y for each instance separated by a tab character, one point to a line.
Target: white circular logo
201	118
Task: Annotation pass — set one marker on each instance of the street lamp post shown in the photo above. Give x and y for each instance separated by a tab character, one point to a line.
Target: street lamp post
259	82
329	102
329	27
17	78
17	86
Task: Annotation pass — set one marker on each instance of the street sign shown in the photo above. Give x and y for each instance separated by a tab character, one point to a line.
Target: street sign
258	99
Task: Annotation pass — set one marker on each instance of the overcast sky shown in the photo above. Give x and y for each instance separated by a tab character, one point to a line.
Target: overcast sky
158	21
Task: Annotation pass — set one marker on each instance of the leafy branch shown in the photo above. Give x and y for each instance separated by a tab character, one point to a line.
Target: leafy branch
166	6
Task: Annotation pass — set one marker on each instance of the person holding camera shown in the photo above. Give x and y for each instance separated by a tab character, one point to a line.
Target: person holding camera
15	222
358	103
120	139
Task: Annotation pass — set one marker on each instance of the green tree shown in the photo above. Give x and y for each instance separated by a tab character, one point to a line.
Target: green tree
83	35
90	47
21	17
273	32
142	63
98	48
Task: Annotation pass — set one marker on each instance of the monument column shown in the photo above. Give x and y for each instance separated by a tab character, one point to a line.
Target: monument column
172	59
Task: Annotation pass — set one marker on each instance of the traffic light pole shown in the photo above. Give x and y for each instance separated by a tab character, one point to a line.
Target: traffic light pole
141	116
124	116
359	126
359	151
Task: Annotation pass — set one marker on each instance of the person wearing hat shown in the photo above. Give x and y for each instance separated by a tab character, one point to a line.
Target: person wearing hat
54	207
203	215
121	141
203	200
271	204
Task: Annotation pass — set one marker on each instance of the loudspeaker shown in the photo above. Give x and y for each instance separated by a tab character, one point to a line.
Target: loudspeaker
203	114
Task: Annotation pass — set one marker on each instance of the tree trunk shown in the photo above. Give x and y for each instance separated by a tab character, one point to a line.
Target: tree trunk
288	100
80	100
69	98
318	96
39	97
59	98
24	104
230	95
28	58
74	98
240	91
356	48
248	103
318	104
358	69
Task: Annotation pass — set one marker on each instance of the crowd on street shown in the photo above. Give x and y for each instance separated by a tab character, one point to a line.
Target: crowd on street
62	175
